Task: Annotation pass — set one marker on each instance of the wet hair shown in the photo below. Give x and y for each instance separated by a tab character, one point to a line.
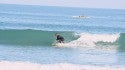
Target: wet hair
56	34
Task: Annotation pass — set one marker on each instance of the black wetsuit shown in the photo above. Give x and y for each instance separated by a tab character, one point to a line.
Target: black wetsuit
60	39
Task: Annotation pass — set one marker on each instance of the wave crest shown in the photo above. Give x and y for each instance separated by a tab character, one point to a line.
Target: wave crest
103	41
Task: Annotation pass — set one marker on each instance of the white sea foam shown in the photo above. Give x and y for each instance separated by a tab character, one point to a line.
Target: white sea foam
91	40
6	65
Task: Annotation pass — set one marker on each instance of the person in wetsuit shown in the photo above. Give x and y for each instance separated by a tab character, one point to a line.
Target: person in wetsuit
59	38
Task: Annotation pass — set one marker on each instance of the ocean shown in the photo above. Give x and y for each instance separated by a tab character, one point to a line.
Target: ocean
94	38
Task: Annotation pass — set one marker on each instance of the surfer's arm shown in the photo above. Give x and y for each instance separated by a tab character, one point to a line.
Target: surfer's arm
60	39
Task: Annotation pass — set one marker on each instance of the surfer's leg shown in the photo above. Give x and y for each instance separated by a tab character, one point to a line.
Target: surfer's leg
59	41
62	40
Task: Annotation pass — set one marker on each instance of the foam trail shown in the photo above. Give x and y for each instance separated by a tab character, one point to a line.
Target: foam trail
6	65
90	40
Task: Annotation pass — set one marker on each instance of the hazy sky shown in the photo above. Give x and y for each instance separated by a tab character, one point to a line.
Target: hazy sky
115	4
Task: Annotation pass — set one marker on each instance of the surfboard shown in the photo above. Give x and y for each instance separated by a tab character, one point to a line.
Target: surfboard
57	44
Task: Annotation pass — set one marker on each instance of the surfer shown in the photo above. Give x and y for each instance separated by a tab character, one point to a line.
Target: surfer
59	38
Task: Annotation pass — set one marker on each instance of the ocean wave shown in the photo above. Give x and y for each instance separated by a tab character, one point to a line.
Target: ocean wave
111	42
90	39
7	65
30	37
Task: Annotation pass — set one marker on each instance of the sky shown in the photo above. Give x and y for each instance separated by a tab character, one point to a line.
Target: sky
113	4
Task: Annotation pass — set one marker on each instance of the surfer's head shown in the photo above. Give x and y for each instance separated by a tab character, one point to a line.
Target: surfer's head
56	34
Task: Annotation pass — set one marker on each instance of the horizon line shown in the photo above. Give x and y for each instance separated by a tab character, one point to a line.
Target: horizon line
59	6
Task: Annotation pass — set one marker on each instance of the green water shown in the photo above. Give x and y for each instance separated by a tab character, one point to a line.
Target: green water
32	37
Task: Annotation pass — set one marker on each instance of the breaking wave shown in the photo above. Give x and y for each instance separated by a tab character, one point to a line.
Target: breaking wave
46	38
7	65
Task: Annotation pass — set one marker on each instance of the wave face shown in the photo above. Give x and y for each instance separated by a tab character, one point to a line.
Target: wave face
121	41
31	37
46	38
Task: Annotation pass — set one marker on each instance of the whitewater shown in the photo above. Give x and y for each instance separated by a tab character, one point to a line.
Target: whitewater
93	42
